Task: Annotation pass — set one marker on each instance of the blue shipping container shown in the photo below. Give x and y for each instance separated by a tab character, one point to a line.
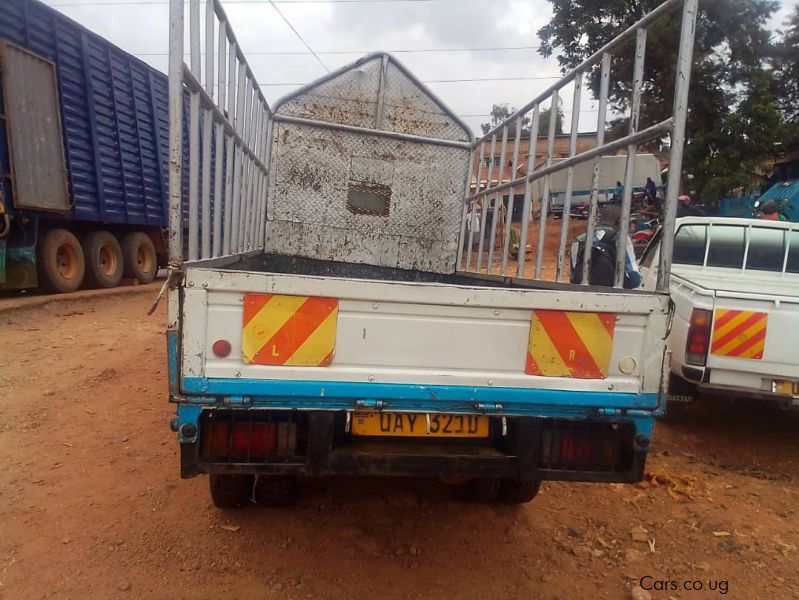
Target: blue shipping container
114	120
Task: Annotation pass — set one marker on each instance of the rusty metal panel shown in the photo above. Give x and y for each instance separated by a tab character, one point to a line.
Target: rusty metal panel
34	130
367	167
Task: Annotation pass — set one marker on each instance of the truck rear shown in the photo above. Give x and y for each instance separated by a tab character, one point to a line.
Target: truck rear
735	287
339	313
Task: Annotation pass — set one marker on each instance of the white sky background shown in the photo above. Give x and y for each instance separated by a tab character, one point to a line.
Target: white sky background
142	29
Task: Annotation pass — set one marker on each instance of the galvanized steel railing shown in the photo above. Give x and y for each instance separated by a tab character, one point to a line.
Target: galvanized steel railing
479	199
228	156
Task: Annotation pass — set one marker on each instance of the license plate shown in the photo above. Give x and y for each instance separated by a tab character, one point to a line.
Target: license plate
420	425
788	388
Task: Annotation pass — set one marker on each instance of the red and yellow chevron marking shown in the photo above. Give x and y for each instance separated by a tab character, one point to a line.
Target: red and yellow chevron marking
570	344
289	330
739	333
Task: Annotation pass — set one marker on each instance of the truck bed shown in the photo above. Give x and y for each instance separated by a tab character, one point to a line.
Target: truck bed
407	328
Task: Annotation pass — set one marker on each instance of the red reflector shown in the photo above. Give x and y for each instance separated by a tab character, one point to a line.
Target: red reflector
221	348
578	447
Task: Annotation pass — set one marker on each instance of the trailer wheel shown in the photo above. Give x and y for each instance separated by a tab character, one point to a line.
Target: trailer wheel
515	491
231	491
60	260
139	257
103	259
483	489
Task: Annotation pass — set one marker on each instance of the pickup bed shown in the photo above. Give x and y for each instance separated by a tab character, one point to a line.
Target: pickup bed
735	287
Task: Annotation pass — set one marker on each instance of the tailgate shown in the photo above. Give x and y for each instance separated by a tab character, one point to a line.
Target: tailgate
755	335
299	336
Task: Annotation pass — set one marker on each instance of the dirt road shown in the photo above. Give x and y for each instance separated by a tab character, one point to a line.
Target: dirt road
91	504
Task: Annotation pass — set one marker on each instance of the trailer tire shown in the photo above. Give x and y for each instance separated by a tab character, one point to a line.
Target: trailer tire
231	491
139	257
61	264
103	256
482	489
516	491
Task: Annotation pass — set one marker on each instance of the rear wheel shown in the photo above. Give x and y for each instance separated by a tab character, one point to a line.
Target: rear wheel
682	394
139	257
103	259
231	491
60	261
483	489
275	490
515	491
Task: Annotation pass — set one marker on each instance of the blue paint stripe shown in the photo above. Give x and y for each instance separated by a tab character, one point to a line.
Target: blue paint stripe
333	394
172	361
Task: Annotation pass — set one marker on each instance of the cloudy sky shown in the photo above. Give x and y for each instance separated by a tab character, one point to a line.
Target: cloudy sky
461	32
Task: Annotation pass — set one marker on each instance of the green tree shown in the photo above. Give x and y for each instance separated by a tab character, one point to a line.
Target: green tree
733	109
786	69
500	112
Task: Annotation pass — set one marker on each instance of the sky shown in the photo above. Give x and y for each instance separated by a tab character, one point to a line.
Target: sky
340	31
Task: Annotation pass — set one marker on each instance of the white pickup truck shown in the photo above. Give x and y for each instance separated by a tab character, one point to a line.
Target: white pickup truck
329	313
735	288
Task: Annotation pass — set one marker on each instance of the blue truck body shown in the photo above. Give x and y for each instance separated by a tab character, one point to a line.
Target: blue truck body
114	122
784	192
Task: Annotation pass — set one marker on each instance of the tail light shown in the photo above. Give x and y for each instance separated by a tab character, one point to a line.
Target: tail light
696	345
247	440
586	445
579	447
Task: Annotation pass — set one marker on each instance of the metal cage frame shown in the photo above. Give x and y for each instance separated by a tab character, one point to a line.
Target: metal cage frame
674	125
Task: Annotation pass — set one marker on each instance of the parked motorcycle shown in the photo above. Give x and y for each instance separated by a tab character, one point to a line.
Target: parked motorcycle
643	232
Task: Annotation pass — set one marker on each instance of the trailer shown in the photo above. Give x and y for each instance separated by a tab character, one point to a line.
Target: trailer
83	150
335	315
611	171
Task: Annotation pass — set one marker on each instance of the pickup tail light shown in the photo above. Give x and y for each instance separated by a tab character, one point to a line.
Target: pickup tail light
577	447
696	346
568	445
238	436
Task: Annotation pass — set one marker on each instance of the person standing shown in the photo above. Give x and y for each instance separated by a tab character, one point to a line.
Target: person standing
651	190
618	192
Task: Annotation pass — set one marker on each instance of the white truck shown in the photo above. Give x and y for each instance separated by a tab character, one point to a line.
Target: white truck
735	288
329	314
611	170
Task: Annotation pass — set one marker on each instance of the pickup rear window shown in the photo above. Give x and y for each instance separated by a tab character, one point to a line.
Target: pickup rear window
727	247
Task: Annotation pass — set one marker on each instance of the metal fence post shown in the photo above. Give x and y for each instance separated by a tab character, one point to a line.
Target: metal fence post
684	60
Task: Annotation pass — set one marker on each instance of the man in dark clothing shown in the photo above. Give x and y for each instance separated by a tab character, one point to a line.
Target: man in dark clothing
651	189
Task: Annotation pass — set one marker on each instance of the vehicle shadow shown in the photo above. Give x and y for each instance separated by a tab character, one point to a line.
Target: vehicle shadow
414	537
742	434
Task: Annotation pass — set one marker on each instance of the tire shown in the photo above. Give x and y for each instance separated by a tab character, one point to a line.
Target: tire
139	257
275	490
60	260
484	489
686	394
515	491
231	491
103	256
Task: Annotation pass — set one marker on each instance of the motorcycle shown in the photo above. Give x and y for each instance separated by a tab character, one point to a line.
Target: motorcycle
643	232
